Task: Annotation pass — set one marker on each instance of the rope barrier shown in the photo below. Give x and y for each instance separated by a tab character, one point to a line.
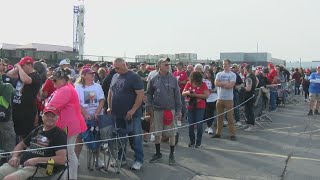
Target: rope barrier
111	139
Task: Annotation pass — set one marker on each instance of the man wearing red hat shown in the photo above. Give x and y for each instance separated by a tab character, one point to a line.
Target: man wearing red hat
23	165
273	89
24	107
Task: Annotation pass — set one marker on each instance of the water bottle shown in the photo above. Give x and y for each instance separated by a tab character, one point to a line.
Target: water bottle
50	166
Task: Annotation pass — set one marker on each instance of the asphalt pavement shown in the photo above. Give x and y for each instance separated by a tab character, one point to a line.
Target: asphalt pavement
285	149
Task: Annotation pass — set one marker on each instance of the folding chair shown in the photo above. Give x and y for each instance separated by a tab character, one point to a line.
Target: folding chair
58	170
115	149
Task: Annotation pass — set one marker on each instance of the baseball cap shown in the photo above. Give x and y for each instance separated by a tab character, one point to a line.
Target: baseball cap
26	60
271	65
51	109
234	66
162	60
65	61
86	71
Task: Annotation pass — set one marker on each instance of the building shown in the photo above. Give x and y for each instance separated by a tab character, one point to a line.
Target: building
181	57
38	51
255	59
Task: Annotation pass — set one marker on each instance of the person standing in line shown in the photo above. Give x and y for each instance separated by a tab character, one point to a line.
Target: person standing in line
182	78
196	92
65	100
24	109
314	90
225	82
124	103
163	98
250	85
236	100
211	101
305	84
143	73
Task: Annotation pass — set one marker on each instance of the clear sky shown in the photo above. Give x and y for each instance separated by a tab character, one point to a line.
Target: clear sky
289	29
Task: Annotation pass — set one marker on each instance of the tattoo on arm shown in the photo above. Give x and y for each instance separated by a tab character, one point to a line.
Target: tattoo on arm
249	82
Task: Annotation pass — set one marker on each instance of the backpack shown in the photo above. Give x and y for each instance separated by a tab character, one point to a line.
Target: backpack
5	108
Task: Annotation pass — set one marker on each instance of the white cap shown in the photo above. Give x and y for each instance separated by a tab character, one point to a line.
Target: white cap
65	61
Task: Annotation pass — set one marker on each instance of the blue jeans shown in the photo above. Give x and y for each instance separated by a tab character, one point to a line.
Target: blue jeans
236	102
194	116
273	99
134	127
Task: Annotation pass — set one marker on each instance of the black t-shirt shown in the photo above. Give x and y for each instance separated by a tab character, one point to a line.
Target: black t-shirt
41	139
238	82
253	87
123	87
26	94
106	85
263	81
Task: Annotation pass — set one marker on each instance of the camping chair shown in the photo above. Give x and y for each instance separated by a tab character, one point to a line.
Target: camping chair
115	148
58	170
90	135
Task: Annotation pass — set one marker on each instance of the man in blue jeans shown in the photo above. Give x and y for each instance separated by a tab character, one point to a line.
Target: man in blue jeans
124	99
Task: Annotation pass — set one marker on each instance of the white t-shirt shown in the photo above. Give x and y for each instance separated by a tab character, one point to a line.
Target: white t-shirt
151	75
89	97
212	96
225	77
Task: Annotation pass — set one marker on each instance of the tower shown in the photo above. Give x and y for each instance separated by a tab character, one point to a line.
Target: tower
78	28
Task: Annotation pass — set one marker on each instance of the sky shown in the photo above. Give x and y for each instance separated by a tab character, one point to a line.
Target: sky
289	29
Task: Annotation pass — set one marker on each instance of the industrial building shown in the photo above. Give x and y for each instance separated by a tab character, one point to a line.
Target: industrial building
255	59
181	57
38	51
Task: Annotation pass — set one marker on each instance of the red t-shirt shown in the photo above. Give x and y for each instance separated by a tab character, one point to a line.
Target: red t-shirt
181	76
201	103
48	87
273	73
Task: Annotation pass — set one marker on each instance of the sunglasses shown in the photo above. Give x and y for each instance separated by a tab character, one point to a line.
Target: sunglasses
166	64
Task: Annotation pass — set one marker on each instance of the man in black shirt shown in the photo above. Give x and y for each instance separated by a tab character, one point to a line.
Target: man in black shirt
24	107
250	85
236	100
23	166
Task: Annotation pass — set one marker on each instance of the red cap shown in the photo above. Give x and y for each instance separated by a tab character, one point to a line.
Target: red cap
26	60
51	109
86	71
271	65
10	67
243	65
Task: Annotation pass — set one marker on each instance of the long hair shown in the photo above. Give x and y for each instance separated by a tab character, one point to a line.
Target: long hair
196	78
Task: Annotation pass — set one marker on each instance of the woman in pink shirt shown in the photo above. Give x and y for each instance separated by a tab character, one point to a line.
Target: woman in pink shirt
65	99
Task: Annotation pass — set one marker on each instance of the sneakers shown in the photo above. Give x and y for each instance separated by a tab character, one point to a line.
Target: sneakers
191	145
316	112
136	166
210	130
155	158
249	128
238	124
206	130
172	160
310	113
216	136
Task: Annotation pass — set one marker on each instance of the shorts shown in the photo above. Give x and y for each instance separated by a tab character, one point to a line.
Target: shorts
314	96
158	124
22	173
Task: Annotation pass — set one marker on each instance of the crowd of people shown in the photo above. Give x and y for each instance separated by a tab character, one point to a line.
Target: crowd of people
43	105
